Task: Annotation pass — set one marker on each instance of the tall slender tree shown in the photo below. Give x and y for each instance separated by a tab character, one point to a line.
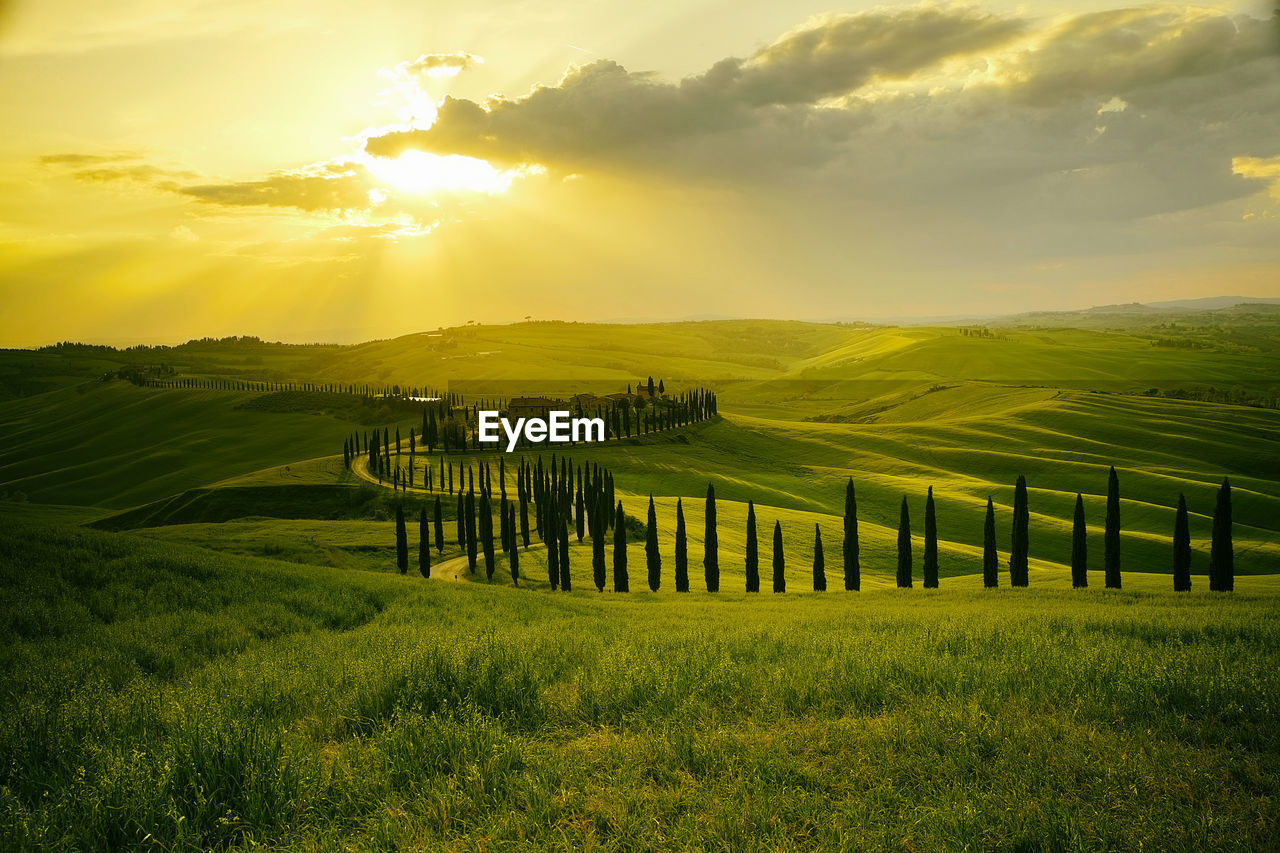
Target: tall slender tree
562	526
653	560
620	581
904	545
819	562
1181	548
473	539
439	526
1111	536
515	550
1019	551
551	539
990	559
504	531
930	543
1079	547
753	550
682	550
598	531
402	542
524	518
486	535
1222	573
579	510
849	546
424	543
711	544
779	560
461	520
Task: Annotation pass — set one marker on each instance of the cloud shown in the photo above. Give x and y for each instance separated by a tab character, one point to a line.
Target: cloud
109	168
80	159
957	114
601	107
438	64
838	54
1126	50
340	185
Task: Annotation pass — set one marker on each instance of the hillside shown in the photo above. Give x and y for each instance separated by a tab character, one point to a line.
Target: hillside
167	696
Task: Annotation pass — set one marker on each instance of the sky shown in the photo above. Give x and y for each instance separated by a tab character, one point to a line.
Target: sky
314	170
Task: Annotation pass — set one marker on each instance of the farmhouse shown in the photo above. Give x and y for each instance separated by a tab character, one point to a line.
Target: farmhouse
532	407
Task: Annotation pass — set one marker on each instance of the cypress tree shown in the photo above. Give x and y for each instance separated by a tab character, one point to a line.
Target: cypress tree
562	526
682	550
753	550
930	544
424	543
711	544
779	560
819	562
904	546
1111	539
1222	575
524	518
1019	552
1079	548
462	522
402	542
1181	548
552	541
620	583
598	529
653	560
439	525
504	530
472	538
515	550
486	535
990	559
849	546
579	509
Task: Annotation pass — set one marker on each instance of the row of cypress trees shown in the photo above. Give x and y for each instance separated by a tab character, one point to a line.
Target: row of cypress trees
593	510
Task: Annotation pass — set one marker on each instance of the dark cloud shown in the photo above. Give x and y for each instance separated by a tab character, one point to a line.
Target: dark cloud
1125	50
330	186
600	108
1078	123
840	54
602	111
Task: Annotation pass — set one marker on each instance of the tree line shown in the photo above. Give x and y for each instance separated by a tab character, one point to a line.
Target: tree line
448	430
581	498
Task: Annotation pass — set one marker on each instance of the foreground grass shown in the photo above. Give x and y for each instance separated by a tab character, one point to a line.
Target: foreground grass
161	697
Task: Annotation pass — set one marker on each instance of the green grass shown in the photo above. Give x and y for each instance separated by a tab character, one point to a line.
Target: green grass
243	668
164	698
118	445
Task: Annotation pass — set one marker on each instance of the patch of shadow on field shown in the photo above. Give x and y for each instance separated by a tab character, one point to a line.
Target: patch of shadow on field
197	506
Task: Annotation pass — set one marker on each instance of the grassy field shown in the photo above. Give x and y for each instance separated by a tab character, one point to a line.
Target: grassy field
163	698
206	645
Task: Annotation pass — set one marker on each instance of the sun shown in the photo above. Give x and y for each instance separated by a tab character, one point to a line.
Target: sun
421	173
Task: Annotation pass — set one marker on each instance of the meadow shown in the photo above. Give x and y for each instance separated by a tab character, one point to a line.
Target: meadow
161	698
206	643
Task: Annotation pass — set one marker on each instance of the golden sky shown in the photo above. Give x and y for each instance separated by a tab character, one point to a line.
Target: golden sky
338	171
